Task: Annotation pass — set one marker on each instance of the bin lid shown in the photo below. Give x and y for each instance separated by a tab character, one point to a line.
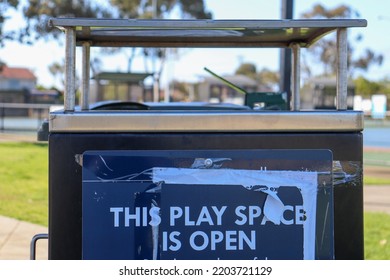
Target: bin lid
206	121
201	33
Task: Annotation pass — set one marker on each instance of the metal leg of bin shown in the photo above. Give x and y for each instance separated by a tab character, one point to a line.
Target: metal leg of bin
342	71
296	69
2	116
85	76
70	69
33	244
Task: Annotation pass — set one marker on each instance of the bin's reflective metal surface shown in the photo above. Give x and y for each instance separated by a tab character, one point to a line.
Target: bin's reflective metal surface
190	121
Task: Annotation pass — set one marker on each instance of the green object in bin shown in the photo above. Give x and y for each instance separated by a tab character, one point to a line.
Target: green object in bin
261	100
265	100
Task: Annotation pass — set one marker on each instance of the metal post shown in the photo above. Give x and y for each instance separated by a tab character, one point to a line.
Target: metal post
2	115
70	69
39	117
342	70
33	244
296	76
156	89
285	53
84	101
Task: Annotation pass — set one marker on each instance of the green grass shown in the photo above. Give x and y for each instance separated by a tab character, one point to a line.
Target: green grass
381	159
377	158
23	182
24	194
368	180
377	236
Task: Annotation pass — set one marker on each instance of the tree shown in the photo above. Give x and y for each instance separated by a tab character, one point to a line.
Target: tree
269	78
265	77
5	6
57	70
365	87
325	49
247	69
160	8
37	13
319	11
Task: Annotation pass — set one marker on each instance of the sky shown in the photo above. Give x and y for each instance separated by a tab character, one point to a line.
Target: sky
189	66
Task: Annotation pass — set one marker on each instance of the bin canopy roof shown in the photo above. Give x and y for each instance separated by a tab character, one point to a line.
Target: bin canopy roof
201	33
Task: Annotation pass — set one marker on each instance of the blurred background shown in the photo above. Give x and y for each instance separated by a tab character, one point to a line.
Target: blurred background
32	81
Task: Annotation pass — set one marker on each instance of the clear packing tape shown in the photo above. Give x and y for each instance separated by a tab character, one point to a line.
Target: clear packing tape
347	173
255	180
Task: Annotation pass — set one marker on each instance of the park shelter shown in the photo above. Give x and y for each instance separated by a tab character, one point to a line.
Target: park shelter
123	86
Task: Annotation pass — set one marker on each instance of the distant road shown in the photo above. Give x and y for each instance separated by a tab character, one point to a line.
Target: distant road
377	199
376	137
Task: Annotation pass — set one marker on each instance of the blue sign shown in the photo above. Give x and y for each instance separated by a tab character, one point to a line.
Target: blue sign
261	204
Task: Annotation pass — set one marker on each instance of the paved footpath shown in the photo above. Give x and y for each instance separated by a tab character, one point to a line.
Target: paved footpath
377	199
15	236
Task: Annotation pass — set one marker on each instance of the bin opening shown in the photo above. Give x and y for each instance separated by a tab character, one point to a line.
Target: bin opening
197	106
257	100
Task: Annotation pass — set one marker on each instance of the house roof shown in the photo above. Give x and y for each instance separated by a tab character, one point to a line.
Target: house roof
328	81
133	78
51	92
16	73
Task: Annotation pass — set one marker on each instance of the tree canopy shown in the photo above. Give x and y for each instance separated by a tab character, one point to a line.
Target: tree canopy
5	6
265	77
325	49
37	12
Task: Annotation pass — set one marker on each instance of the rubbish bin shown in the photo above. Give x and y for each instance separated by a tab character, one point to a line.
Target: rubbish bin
202	183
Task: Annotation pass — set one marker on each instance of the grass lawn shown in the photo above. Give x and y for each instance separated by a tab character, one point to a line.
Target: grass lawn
377	236
23	181
24	194
376	167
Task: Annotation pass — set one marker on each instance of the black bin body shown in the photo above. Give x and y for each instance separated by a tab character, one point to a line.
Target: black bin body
65	176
